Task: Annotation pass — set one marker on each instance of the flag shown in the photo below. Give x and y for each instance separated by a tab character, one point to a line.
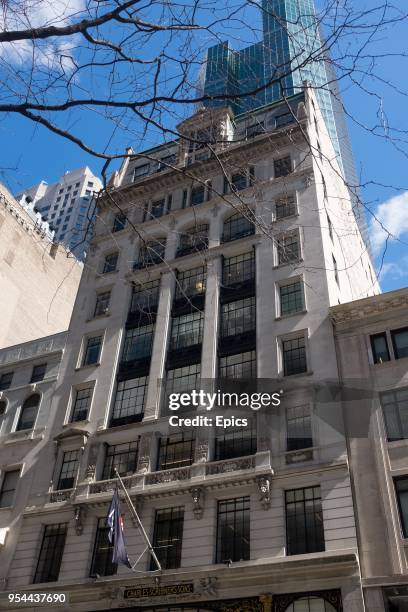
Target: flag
115	523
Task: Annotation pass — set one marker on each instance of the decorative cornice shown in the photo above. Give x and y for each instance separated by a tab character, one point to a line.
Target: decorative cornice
369	307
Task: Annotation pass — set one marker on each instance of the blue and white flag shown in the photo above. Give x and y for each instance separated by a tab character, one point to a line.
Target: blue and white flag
115	523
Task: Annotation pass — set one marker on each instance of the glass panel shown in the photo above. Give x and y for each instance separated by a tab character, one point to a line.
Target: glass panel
294	356
176	451
238	317
123	458
379	347
138	343
187	330
291	298
239	269
29	412
129	401
400	340
50	557
167	538
233	533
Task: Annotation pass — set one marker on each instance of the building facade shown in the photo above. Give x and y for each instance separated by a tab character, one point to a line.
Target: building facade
372	345
28	375
38	280
207	266
68	207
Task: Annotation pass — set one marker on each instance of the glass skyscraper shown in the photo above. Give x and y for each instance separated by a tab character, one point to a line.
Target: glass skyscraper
293	48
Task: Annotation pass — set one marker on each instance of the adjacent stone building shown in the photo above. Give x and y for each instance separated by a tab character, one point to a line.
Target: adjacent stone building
28	376
372	346
38	280
215	257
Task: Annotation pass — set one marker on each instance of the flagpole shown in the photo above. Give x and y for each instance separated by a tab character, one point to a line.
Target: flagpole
139	522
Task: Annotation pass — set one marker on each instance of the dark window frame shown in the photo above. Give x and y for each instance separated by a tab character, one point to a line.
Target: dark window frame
38	372
233	443
119	222
5	380
56	543
138	343
238	317
243	266
285	206
81	404
395	419
187	330
117	454
237	226
299	423
106	567
291	293
394	333
377	358
125	406
10	492
240	550
145	297
176	450
94	344
289	348
69	467
282	166
403	519
110	262
168	547
34	407
191	282
311	529
102	303
247	357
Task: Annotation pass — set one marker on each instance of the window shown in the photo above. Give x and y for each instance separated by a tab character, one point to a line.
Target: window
291	298
157	208
400	342
294	356
238	317
242	365
176	451
138	343
255	129
288	248
69	187
69	469
52	548
304	521
298	428
129	401
145	296
238	269
233	530
195	239
140	171
282	167
151	253
187	330
28	413
197	195
395	410
92	351
3	406
335	269
121	457
167	161
168	537
236	442
239	181
102	303
6	380
102	555
82	402
238	226
285	207
283	119
311	604
183	379
119	222
379	346
110	263
401	489
190	283
8	488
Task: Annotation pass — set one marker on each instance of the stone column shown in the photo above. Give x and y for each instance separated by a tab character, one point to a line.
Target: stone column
157	368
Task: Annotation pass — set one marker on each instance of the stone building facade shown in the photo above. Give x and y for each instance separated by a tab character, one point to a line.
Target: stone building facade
28	376
372	345
217	256
38	280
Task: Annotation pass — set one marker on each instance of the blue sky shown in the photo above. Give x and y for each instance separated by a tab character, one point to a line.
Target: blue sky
32	153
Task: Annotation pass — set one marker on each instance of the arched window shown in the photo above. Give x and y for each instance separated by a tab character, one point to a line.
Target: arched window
151	253
29	412
238	226
195	239
310	604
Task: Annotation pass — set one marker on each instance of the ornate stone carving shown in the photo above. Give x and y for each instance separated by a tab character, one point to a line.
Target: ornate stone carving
233	465
201	451
264	486
145	445
207	587
197	495
79	516
60	496
167	476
